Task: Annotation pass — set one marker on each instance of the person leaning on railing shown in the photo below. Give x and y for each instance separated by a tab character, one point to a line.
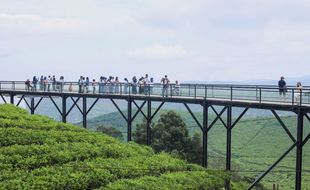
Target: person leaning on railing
28	85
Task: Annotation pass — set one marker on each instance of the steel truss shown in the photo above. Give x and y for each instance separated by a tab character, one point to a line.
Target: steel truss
205	126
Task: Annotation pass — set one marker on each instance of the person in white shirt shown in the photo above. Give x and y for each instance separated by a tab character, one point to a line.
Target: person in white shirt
165	82
177	88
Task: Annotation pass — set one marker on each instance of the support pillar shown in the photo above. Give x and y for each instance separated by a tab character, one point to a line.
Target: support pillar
205	136
64	109
12	99
129	119
84	112
32	106
300	120
149	122
228	145
228	139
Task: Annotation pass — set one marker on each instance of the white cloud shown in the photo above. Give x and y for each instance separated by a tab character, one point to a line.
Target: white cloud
158	51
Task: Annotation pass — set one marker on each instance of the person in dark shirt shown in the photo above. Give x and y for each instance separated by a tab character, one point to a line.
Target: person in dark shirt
282	86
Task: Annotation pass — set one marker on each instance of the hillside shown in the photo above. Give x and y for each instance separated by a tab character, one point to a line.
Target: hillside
38	153
256	144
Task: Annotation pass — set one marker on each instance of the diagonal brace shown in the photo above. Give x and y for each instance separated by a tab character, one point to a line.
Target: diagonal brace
272	166
219	117
238	119
119	110
3	98
74	104
139	110
35	107
91	107
55	105
20	100
154	114
193	116
283	125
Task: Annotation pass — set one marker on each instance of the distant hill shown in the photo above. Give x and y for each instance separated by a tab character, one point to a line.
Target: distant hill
39	153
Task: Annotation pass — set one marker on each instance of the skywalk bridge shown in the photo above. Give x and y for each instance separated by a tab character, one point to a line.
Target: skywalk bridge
224	96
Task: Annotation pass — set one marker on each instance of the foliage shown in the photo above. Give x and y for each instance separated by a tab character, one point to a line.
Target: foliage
111	131
38	153
170	135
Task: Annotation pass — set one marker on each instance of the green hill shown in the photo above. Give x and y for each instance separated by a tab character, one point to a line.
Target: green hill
256	144
38	153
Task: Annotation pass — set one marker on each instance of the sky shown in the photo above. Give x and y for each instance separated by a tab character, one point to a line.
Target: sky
203	40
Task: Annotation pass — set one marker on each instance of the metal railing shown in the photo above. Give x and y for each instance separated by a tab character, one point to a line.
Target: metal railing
251	93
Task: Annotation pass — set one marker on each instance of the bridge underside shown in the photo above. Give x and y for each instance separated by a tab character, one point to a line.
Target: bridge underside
33	100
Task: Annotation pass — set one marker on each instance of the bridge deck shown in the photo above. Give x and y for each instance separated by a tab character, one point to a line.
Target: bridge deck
256	96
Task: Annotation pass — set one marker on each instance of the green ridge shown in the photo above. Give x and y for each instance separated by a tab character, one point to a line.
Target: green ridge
39	153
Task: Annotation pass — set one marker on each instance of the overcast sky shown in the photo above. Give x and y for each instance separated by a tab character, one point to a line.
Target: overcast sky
187	39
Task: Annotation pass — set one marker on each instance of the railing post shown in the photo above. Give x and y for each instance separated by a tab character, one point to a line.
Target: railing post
195	91
293	95
260	95
231	93
206	91
300	97
13	85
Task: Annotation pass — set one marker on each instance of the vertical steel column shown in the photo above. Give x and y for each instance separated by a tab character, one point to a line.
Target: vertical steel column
32	106
205	135
12	98
84	112
228	139
228	145
129	110
149	122
300	124
64	108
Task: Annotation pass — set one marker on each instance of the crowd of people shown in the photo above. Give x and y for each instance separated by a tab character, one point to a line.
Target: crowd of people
112	85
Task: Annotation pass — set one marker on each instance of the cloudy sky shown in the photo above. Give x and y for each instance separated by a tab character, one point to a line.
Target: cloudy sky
204	40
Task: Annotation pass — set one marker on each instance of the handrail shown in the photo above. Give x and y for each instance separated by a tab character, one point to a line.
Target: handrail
231	92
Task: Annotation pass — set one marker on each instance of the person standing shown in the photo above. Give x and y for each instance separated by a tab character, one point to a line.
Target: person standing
34	82
177	88
298	92
134	85
86	85
50	81
54	83
80	83
282	86
61	83
94	86
165	82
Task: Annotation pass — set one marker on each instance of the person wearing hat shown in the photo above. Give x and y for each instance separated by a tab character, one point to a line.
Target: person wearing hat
282	86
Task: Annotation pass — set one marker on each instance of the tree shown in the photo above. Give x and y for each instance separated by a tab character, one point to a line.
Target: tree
139	136
111	131
170	134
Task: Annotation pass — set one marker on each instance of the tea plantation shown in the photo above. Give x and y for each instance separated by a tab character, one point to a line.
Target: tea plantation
38	153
